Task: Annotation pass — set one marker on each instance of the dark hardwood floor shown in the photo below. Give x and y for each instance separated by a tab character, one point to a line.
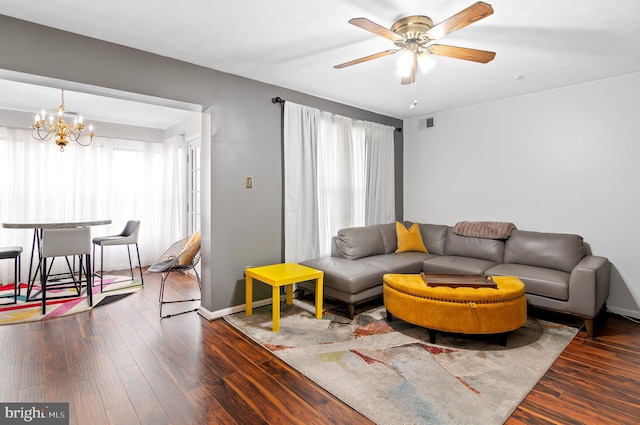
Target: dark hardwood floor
120	364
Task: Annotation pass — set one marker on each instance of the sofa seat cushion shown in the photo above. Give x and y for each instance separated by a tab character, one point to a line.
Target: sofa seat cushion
537	280
401	262
347	275
455	264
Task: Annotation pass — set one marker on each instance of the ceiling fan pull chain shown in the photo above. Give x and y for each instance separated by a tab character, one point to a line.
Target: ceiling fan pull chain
415	95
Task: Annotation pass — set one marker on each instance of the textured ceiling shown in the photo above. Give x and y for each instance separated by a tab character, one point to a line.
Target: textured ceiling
540	45
33	98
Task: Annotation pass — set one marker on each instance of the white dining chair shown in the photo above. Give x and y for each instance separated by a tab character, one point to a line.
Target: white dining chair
67	243
128	236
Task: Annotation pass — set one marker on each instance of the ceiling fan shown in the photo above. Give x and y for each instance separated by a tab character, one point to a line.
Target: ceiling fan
412	35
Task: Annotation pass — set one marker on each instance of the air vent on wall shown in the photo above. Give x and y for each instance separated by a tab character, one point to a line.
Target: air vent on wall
425	123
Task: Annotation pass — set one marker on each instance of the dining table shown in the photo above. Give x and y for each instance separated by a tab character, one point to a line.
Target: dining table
38	226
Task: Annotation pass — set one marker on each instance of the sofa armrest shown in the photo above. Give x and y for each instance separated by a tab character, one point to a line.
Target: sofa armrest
589	285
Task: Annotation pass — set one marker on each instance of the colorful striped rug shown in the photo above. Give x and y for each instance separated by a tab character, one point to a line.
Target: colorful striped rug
115	287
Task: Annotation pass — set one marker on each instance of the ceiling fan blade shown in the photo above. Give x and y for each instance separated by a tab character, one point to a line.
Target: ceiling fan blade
465	17
372	27
412	76
367	58
474	55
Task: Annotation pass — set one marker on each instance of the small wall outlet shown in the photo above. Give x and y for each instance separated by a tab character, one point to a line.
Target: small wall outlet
248	183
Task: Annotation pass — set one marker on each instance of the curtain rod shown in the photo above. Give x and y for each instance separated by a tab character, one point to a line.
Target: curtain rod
280	101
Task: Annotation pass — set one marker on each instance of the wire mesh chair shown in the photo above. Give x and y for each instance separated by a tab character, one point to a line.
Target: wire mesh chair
182	256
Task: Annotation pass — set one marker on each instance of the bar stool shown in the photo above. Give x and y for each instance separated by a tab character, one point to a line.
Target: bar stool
129	236
66	243
13	252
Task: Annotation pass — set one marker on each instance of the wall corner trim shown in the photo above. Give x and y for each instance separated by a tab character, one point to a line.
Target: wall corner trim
212	315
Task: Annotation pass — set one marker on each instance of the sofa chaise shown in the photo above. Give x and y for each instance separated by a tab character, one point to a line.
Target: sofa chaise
558	270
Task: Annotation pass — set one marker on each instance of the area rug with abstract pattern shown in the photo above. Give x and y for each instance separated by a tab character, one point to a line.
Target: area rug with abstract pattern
67	302
389	372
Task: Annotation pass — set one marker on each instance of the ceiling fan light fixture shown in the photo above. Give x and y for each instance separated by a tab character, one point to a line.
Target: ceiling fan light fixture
412	35
425	62
404	63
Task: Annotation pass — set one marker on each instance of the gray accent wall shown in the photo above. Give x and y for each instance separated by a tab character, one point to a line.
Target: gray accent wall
563	160
241	136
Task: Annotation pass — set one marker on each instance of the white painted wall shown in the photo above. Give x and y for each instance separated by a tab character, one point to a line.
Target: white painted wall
565	161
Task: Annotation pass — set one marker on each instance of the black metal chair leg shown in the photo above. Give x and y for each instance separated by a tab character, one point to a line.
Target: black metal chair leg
16	278
43	285
101	268
89	275
140	265
163	302
130	264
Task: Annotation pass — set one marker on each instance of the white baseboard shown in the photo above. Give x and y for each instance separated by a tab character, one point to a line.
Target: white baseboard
212	315
624	312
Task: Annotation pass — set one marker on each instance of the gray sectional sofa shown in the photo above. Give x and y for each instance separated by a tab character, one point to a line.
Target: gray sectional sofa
557	269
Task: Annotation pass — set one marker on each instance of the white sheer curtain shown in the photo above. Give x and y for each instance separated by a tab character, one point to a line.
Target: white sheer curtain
330	178
112	178
379	168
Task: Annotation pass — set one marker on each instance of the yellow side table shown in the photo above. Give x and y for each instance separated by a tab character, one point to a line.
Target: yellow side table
286	275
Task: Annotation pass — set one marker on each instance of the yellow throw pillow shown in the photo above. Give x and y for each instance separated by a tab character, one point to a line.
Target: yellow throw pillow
190	249
409	240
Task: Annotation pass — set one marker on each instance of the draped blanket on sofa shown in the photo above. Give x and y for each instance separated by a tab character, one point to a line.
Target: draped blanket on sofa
484	229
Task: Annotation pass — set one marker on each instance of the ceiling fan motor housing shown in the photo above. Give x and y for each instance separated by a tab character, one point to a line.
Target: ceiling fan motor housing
412	28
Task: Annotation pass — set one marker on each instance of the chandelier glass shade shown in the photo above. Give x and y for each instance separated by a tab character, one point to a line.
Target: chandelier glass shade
45	130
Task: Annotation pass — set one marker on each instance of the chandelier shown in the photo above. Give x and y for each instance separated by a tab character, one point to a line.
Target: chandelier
44	130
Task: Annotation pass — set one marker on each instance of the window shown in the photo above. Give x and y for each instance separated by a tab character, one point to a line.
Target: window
193	189
338	172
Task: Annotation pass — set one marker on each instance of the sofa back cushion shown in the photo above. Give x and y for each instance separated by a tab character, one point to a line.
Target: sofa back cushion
481	248
359	242
389	237
434	237
556	251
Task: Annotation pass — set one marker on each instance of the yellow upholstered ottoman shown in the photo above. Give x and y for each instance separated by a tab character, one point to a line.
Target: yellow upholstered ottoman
457	310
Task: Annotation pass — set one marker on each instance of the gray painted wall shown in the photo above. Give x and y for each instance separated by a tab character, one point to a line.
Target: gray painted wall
241	137
563	161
